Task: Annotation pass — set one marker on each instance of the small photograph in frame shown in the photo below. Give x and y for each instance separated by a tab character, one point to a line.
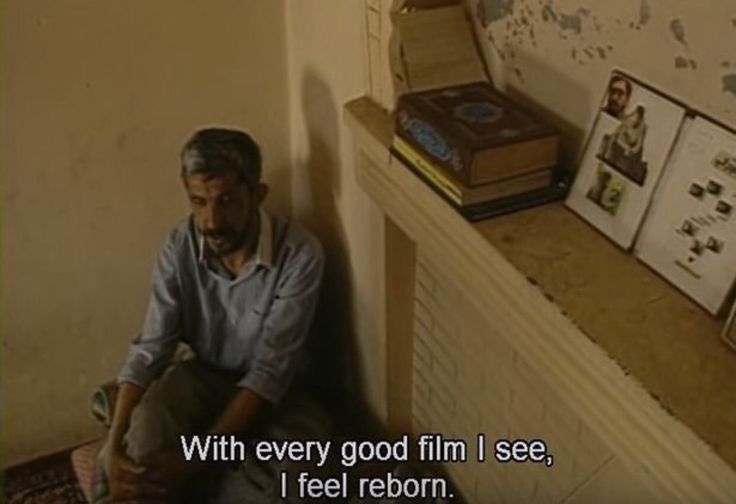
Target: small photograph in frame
607	190
623	149
618	95
729	330
725	162
624	157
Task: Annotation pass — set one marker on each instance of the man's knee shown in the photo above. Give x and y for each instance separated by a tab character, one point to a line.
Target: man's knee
174	404
151	429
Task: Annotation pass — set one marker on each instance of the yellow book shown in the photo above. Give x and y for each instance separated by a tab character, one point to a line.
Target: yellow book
443	183
463	195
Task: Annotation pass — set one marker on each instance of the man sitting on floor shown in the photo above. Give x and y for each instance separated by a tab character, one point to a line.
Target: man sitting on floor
240	288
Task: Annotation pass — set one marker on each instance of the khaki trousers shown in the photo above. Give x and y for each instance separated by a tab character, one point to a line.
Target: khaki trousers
187	399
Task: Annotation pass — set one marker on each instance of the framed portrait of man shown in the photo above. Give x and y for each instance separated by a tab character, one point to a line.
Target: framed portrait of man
624	156
618	95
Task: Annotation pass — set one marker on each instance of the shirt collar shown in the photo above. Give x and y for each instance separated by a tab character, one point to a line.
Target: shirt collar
264	250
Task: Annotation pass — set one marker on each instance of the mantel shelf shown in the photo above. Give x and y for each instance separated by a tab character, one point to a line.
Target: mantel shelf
663	339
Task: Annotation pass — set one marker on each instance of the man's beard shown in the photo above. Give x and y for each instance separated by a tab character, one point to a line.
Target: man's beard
225	241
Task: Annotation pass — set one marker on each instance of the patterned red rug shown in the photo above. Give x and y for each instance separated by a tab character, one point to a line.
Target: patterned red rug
48	480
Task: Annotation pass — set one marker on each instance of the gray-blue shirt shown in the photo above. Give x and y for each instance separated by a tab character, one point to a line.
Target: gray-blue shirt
255	324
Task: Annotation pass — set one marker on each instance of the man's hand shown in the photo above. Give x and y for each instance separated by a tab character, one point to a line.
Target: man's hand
129	481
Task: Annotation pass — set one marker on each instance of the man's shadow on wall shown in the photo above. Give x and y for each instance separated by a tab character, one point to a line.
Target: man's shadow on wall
333	343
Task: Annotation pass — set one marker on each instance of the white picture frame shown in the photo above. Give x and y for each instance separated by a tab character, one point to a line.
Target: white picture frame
728	335
689	235
624	157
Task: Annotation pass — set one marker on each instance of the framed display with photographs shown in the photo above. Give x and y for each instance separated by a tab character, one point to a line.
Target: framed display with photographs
689	236
625	154
729	330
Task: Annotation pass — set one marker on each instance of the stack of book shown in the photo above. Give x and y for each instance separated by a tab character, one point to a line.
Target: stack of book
482	152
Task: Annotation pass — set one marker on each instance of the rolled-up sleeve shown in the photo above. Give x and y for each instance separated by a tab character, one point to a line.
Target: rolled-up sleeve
281	344
152	350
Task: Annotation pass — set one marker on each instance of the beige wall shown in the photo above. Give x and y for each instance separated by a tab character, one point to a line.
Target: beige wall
325	41
98	98
560	54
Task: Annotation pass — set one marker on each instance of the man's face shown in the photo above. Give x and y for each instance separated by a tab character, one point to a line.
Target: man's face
224	210
618	98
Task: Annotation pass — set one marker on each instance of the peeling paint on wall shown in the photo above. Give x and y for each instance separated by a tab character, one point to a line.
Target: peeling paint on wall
573	22
548	14
491	11
596	25
587	34
729	84
681	62
568	22
645	13
678	30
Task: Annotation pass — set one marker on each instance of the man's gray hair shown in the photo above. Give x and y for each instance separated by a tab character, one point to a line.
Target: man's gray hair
212	152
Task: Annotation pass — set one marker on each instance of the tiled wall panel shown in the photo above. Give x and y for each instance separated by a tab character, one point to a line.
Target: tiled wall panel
469	380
